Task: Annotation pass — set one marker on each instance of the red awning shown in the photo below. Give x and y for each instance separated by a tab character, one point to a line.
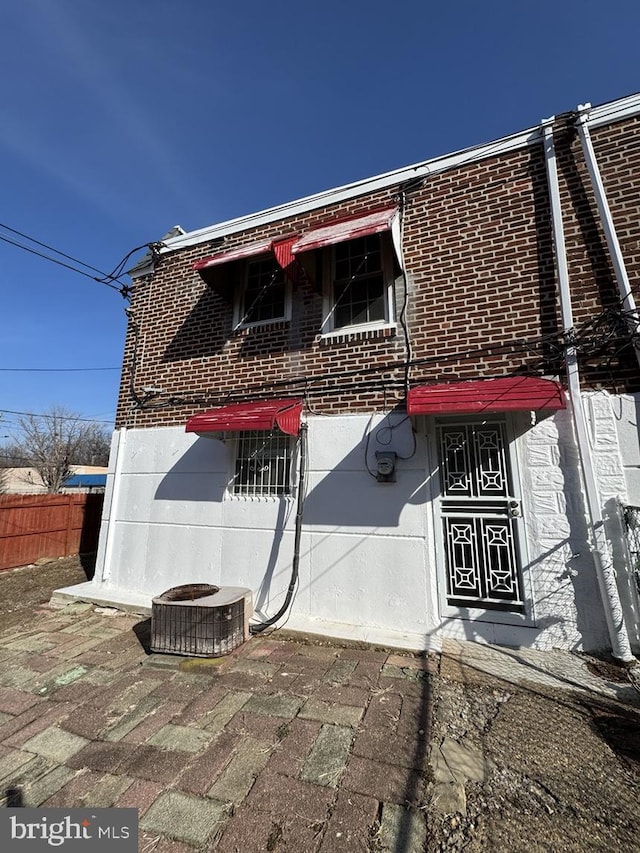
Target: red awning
240	417
259	248
345	229
515	393
281	248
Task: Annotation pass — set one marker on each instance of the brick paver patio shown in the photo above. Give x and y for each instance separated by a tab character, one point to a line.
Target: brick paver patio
286	746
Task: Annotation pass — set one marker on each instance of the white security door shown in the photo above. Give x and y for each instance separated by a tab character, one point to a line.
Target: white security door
480	515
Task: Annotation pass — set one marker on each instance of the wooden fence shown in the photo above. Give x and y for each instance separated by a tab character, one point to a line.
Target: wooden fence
35	526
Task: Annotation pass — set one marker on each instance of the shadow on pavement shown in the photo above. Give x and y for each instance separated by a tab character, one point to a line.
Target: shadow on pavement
142	630
13	797
88	563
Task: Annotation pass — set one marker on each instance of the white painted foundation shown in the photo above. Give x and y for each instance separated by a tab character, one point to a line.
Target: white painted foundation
368	567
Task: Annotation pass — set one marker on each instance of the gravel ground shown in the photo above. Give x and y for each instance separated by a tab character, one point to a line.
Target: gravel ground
23	589
563	769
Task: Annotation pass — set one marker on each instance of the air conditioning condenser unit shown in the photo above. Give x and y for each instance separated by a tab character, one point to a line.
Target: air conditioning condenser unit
200	620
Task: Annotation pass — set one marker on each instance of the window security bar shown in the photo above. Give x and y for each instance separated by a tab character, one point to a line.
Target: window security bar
263	464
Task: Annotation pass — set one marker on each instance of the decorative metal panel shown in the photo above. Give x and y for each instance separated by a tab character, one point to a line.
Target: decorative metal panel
473	461
630	518
479	515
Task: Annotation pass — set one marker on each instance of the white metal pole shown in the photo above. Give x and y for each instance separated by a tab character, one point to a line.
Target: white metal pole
605	570
619	268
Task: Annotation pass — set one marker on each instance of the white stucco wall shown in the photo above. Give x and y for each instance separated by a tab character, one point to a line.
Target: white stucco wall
624	410
368	557
362	564
615	442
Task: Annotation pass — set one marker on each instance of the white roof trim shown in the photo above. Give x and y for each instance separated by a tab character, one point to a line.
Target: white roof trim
349	191
614	111
604	114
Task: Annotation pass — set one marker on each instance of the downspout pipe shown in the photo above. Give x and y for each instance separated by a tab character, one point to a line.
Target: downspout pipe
619	268
295	565
620	645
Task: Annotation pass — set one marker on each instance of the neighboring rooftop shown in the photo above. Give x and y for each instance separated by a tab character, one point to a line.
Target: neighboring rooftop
86	481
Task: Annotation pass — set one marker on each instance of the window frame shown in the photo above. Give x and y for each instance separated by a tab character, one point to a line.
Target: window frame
243	483
239	305
329	328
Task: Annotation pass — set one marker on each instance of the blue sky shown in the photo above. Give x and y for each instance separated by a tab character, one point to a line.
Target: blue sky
121	119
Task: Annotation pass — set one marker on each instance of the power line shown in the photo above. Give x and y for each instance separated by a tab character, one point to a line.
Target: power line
14	459
50	415
55	369
119	268
104	278
342	381
59	263
51	248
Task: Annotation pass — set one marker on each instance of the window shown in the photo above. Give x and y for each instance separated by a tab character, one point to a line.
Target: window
262	463
358	290
264	295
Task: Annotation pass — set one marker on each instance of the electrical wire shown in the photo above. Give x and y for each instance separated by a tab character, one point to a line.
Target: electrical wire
111	279
405	302
332	379
59	263
55	369
13	458
153	247
50	415
337	386
295	563
50	248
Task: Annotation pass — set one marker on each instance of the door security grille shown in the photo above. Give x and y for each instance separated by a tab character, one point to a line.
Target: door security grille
479	514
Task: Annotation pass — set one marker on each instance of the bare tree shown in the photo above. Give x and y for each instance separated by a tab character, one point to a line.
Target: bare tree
94	446
54	441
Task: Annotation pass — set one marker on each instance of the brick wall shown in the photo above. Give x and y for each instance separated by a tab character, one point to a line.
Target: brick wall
482	301
592	278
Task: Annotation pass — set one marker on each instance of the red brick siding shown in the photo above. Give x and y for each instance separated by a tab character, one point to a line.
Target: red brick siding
478	252
483	268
